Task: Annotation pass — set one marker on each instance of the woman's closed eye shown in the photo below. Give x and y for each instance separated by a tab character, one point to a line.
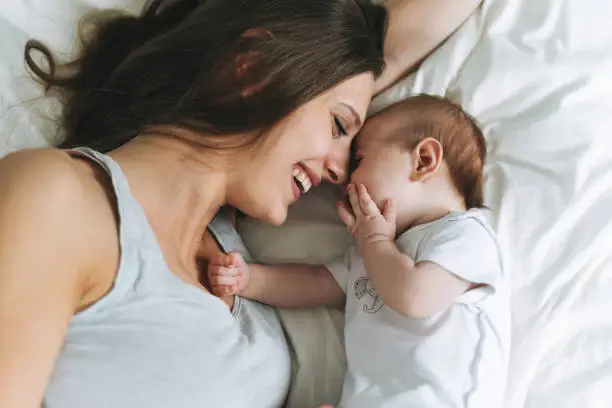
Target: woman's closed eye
338	129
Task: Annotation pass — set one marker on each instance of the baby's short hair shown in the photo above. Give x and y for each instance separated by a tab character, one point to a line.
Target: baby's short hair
463	143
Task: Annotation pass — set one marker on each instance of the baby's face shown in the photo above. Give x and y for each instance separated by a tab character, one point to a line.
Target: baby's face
385	169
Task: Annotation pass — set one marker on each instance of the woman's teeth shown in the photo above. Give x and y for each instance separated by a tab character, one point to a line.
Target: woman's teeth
303	181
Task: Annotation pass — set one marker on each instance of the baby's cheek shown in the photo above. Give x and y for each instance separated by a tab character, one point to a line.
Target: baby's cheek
383	191
363	176
380	199
375	183
376	190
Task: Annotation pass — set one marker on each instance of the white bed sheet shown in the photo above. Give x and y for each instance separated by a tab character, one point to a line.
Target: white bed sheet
538	76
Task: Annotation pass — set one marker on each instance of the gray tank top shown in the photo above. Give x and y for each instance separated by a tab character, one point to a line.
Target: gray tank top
156	341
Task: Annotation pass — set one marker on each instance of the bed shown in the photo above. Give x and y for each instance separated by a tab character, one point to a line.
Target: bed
537	75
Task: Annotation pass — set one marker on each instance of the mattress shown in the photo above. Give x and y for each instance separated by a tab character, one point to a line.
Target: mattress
537	75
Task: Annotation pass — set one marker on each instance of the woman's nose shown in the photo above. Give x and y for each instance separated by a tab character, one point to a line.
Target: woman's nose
335	172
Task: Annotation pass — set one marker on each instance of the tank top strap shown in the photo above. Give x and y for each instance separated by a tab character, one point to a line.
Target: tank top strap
141	262
133	223
227	237
142	266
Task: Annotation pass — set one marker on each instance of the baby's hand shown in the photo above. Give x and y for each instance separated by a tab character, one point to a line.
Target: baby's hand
367	223
228	274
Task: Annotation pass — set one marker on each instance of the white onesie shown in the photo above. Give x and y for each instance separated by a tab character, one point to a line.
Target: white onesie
456	358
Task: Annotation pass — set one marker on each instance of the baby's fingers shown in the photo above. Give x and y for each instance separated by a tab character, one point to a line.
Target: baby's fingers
235	259
389	211
354	200
222	291
223	280
226	260
219	270
367	205
345	215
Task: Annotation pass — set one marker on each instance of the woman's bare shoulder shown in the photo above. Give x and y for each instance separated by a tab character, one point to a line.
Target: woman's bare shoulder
56	202
53	228
46	170
43	182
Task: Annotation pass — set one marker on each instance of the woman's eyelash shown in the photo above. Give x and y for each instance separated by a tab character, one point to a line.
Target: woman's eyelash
339	127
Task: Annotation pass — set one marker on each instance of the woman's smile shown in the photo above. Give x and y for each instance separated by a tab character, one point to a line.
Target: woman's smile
303	179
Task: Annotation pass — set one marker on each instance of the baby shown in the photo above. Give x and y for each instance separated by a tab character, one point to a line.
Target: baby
427	320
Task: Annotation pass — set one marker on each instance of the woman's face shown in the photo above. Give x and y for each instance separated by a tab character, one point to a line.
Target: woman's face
309	146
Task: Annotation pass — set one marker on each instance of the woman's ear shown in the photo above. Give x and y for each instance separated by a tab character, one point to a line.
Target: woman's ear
249	61
246	63
427	158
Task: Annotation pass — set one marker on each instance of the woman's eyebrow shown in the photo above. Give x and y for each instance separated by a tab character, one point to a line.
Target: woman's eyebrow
356	117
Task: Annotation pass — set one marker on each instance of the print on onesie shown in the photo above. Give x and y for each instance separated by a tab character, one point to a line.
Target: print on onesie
364	287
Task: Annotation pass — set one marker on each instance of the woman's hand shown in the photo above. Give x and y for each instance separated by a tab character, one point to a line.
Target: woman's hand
228	274
415	29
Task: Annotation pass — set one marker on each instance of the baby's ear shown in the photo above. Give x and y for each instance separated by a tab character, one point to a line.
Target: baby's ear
427	158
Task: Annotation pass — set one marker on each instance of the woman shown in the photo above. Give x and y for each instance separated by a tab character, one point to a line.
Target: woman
189	107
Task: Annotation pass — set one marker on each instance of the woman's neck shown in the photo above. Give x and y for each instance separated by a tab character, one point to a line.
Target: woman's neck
179	192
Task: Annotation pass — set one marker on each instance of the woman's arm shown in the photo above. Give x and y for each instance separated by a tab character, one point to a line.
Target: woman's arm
416	28
40	275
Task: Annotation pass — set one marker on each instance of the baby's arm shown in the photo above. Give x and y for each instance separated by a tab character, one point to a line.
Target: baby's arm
289	285
416	291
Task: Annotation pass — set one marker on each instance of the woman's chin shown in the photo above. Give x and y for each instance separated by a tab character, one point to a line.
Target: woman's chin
269	212
278	219
274	216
